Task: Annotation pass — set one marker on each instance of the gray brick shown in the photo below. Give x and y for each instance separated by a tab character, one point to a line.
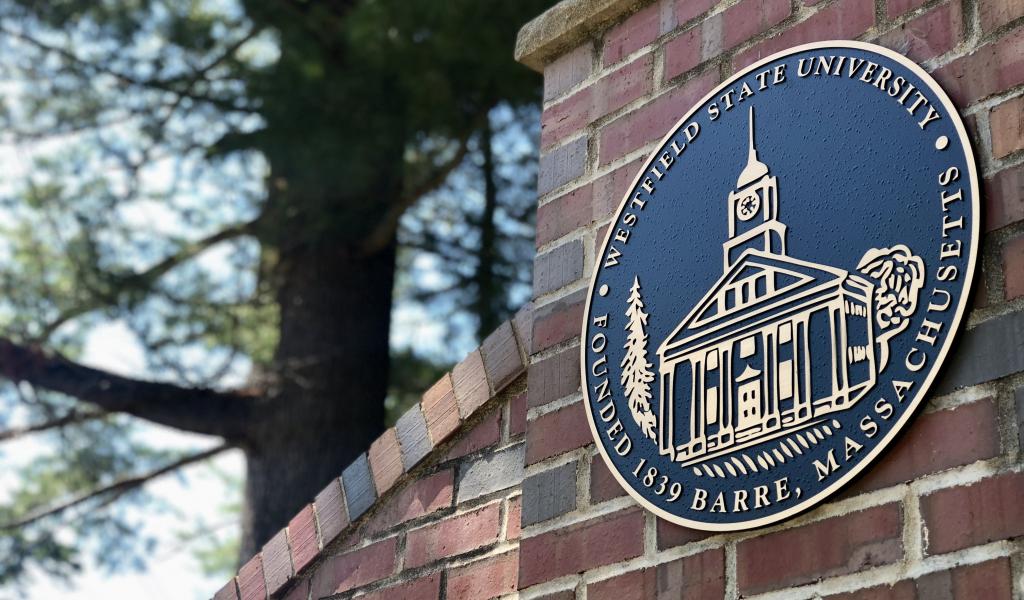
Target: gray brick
502	359
491	473
549	494
991	350
558	268
359	493
412	436
523	324
1019	397
562	165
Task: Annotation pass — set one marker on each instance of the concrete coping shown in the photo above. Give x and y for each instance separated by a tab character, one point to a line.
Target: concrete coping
563	25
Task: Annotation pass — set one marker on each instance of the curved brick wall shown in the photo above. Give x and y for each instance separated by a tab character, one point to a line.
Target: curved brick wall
491	486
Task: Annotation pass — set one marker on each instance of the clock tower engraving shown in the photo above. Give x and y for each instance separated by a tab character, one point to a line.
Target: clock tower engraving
753	209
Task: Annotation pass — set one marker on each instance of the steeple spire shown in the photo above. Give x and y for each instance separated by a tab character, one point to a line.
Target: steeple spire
755	169
752	157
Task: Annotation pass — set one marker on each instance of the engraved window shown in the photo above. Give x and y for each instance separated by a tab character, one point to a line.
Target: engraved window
785	332
747	347
711	387
785	354
786	380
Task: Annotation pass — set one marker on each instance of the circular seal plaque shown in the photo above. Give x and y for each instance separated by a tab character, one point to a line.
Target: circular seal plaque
780	286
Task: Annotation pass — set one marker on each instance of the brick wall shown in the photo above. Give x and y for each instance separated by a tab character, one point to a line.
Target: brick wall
430	510
491	486
940	514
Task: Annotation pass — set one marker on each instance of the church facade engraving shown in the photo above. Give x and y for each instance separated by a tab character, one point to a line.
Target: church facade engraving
747	354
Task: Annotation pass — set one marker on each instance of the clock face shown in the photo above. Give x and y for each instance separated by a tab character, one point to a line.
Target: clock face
747	207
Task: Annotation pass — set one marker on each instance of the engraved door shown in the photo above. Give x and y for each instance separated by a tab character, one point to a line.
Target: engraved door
750	404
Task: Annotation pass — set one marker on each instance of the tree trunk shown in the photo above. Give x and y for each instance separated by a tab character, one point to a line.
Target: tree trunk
488	298
331	374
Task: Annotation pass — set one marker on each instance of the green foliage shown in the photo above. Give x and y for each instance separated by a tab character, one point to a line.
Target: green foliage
170	152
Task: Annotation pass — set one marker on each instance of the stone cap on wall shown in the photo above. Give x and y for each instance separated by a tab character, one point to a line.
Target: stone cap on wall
561	26
341	506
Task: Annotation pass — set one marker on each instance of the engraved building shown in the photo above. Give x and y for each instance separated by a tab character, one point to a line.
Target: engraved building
774	345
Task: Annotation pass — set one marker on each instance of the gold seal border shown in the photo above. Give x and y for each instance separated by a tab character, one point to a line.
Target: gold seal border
940	359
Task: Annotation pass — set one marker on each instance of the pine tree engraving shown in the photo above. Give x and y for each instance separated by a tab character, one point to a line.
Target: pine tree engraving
636	371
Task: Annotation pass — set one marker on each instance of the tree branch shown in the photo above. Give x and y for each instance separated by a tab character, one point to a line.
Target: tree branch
115	490
384	232
199	410
73	417
146	278
130	80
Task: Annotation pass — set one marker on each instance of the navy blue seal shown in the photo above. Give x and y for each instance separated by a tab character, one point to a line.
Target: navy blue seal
780	286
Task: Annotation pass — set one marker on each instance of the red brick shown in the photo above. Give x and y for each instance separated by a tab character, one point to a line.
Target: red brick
453	536
556	432
975	514
996	13
554	377
331	516
522	323
1007	124
558	321
564	214
485	579
688	9
470	381
632	34
427	587
421	497
603	485
599	238
514	520
385	461
608	94
650	123
581	547
440	409
989	580
502	358
355	569
250	580
517	415
834	546
895	8
671	535
843	19
298	591
980	299
683	53
277	562
1003	197
622	86
611	188
569	116
748	19
1013	267
935	442
696	577
568	70
485	433
929	35
991	69
302	538
228	592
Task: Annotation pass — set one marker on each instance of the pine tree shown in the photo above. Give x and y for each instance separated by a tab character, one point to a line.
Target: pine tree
636	371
